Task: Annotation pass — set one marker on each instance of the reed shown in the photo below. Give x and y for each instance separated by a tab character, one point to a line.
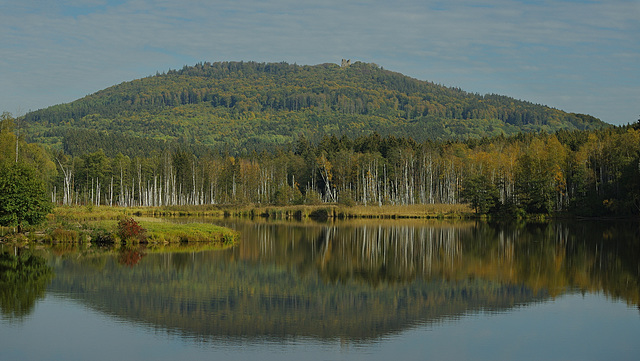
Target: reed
448	211
60	235
408	211
325	212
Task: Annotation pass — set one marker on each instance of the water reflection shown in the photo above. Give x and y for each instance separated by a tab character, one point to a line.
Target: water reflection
552	257
130	255
353	281
24	277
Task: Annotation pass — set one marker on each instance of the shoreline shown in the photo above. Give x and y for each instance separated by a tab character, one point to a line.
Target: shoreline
74	217
314	212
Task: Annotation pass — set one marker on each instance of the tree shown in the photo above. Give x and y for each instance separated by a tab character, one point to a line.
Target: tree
7	138
540	180
23	198
481	193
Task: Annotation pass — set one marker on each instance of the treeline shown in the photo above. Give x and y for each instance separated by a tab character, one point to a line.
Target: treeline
590	173
210	102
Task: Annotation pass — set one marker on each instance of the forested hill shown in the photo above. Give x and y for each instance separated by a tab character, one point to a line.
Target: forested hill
244	106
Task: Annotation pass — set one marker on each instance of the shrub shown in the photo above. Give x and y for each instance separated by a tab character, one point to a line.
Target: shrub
128	228
102	237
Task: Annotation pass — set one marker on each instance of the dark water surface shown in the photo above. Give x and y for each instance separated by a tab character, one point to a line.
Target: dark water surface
351	290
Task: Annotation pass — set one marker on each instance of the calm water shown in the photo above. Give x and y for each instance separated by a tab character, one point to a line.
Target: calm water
361	290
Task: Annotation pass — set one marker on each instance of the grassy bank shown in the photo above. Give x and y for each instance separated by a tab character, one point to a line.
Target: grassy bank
97	224
159	231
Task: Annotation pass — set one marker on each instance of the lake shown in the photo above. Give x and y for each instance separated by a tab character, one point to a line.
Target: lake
371	290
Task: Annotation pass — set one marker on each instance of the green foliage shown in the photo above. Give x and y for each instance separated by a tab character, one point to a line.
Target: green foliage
346	198
282	196
190	233
313	197
264	134
23	197
533	187
12	140
481	193
254	106
590	173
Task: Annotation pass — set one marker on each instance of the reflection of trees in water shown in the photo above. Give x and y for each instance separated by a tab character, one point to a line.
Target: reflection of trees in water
391	254
23	280
554	257
588	256
218	294
130	255
354	281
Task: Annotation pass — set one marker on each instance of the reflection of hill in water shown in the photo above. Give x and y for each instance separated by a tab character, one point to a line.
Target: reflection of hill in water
352	282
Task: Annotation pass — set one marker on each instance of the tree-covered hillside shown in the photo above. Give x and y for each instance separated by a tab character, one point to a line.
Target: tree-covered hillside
245	106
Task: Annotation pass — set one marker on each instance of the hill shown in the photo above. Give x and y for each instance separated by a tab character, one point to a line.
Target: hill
245	106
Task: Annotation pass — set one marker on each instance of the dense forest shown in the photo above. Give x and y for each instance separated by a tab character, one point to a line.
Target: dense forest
247	106
255	133
589	173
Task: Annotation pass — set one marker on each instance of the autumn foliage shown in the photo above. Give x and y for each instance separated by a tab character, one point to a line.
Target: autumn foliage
129	229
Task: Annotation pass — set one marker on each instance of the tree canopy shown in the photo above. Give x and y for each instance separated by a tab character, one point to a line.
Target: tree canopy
248	106
25	172
24	199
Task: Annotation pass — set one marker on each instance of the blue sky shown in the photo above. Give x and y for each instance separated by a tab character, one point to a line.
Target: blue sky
578	56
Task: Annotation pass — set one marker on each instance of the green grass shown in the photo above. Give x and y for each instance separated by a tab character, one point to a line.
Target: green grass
165	232
83	224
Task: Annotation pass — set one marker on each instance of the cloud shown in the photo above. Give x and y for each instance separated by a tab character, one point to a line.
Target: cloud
58	51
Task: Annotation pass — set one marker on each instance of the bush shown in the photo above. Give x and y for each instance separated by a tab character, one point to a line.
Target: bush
129	229
102	238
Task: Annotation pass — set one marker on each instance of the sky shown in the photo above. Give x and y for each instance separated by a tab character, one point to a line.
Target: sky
579	56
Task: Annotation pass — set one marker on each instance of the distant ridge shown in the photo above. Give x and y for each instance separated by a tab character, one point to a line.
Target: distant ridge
246	106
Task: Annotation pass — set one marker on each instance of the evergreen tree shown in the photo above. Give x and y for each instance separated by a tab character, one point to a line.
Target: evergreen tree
481	193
